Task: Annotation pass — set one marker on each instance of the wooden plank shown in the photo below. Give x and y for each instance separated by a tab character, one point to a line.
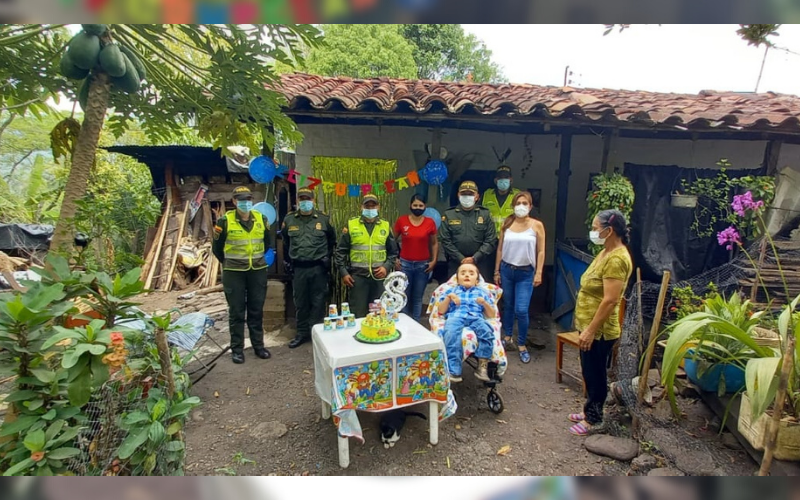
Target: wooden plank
157	253
718	405
181	230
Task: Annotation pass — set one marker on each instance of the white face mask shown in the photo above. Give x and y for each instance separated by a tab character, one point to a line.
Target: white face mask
467	201
594	236
522	210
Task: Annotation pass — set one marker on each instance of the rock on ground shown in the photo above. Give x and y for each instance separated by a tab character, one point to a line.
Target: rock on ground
644	463
621	449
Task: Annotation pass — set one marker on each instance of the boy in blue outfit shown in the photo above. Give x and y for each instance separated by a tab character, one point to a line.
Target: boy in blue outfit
468	306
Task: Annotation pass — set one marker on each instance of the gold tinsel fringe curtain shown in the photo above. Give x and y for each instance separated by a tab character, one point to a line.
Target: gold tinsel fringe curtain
341	208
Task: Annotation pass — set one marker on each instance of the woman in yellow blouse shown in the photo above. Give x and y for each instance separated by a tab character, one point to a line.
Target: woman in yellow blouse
597	313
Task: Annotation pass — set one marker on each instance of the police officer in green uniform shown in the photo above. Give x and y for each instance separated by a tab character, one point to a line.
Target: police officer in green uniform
499	201
309	241
468	233
241	239
366	252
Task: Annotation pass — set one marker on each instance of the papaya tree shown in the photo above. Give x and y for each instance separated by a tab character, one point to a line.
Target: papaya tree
134	70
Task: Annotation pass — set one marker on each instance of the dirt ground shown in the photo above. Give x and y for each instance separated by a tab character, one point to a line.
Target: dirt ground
267	412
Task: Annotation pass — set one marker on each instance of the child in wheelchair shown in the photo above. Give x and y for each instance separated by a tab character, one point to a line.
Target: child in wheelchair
468	306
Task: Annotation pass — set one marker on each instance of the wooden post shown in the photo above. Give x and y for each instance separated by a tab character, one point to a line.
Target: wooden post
564	161
771	154
640	324
609	147
777	409
157	254
181	229
648	359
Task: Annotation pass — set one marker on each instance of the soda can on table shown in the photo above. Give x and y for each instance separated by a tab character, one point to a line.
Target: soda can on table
345	309
327	324
340	322
332	311
351	320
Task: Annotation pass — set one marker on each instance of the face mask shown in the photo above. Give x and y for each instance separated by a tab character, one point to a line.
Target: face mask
594	236
417	211
467	201
306	205
244	205
503	184
521	210
370	213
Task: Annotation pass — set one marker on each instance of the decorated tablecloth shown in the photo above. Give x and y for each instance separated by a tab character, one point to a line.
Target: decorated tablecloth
352	375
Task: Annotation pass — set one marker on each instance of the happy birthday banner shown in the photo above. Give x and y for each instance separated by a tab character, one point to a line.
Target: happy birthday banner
355	190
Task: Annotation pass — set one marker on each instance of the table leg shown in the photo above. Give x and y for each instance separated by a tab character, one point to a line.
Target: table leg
433	421
326	410
344	452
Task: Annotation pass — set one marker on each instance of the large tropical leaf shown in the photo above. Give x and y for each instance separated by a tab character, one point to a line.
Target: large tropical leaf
761	377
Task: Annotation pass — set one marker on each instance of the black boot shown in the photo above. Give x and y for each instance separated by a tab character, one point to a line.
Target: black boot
297	342
238	357
262	353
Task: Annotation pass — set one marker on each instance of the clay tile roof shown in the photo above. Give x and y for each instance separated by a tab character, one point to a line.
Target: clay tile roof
708	109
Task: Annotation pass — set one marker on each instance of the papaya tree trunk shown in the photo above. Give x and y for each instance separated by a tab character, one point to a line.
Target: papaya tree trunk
82	161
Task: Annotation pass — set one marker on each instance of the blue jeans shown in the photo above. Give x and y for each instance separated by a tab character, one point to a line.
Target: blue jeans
453	330
417	281
517	291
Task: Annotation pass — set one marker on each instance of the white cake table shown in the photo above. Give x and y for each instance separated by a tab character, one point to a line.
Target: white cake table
351	375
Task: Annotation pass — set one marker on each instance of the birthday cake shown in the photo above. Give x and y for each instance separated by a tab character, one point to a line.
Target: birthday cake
377	329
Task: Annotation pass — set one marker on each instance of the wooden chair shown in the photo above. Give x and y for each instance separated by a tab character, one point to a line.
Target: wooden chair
571	339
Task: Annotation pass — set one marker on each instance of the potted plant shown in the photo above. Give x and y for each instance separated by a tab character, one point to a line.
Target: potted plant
716	343
682	198
609	191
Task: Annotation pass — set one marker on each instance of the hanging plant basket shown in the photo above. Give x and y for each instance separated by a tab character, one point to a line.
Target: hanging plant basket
684	200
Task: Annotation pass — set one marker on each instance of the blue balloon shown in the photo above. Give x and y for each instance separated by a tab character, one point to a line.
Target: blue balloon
435	215
269	256
434	172
263	169
267	211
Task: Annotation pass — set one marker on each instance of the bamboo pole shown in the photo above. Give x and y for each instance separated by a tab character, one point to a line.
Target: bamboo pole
157	254
648	359
757	280
777	410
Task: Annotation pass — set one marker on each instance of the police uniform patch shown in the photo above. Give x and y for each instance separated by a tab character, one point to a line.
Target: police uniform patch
454	222
344	230
319	226
383	232
480	220
294	228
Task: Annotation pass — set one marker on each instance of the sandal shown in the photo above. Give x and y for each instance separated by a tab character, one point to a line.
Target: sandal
576	417
581	429
508	343
525	356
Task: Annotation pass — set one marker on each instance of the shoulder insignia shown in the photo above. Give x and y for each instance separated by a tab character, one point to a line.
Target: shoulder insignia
344	230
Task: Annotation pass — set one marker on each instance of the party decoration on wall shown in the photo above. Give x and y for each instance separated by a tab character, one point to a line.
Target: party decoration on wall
434	172
263	169
411	179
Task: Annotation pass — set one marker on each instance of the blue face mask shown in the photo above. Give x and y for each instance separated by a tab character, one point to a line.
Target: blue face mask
306	205
244	205
370	213
503	184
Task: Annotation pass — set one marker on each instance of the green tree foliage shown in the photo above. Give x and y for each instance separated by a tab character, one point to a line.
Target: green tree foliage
362	51
446	52
231	100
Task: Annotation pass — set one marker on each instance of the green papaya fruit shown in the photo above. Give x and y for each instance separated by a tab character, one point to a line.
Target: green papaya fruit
112	61
95	29
69	70
83	50
83	94
129	82
137	62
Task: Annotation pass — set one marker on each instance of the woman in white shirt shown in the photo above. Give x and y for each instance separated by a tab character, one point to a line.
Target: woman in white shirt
520	260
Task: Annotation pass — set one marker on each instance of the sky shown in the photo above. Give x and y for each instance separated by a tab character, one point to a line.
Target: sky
666	58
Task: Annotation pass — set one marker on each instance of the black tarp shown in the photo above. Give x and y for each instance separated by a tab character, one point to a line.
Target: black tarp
28	237
661	236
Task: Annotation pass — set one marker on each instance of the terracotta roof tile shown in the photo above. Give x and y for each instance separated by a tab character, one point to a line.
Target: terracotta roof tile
707	109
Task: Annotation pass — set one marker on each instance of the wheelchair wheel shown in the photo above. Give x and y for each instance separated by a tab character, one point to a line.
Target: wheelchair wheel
495	402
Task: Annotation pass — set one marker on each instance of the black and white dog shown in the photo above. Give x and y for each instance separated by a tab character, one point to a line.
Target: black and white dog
392	423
